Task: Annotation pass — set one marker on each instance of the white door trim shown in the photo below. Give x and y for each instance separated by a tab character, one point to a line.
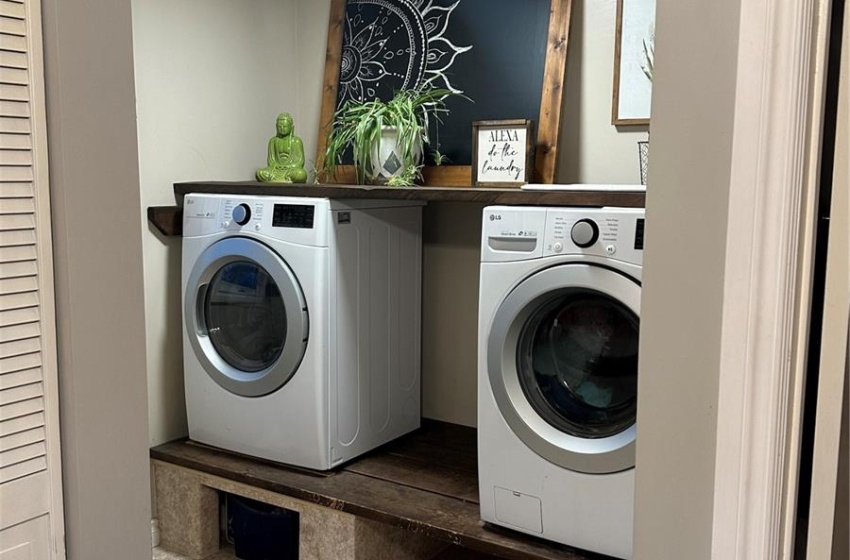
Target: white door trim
766	292
834	341
46	288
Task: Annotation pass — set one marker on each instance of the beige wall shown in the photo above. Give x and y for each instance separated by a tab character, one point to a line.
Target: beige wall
841	533
592	149
98	269
312	33
211	76
686	218
451	249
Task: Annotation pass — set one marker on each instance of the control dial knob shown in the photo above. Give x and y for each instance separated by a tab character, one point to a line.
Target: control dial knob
242	214
584	233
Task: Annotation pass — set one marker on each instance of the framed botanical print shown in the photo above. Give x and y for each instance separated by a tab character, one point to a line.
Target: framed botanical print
634	56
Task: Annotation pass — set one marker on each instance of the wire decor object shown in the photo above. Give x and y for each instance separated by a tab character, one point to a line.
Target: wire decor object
643	152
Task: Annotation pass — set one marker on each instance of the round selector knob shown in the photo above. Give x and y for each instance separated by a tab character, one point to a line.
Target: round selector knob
242	214
584	233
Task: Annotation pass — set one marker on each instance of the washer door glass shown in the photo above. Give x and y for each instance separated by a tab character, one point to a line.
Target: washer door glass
577	364
245	316
561	363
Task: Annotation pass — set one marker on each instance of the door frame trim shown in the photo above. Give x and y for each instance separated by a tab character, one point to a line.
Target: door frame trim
47	287
834	356
769	251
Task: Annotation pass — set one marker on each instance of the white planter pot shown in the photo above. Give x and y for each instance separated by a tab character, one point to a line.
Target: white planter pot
387	158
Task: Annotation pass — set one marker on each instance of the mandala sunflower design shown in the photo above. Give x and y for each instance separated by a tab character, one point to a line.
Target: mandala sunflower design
391	45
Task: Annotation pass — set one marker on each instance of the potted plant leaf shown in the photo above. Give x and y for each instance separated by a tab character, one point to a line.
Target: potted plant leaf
386	137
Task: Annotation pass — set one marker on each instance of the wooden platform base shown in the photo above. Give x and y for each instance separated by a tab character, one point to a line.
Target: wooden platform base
419	493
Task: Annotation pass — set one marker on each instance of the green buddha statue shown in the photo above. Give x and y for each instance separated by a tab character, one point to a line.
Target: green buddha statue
286	155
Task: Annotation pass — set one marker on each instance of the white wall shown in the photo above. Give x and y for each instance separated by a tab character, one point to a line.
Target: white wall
211	76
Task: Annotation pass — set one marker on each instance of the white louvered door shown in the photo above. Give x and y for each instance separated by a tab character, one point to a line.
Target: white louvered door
31	517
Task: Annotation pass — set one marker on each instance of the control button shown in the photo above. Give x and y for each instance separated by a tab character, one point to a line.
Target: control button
225	224
584	233
241	214
257	227
558	247
610	249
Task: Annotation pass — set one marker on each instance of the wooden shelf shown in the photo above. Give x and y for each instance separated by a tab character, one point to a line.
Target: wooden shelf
451	194
169	219
425	482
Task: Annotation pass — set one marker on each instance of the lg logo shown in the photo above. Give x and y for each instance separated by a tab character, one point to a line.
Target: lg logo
495	217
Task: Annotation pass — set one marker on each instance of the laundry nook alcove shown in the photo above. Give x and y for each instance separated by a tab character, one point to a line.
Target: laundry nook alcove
415	497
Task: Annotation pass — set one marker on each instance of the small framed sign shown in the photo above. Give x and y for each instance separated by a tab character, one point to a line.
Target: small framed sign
502	153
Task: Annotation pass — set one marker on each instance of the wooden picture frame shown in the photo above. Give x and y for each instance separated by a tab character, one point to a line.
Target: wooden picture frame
495	148
549	119
632	91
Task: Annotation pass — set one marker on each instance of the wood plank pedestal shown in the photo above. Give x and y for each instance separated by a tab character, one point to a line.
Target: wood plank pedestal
413	499
188	513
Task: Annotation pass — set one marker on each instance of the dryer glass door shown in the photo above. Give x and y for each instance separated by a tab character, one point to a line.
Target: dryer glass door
246	316
562	365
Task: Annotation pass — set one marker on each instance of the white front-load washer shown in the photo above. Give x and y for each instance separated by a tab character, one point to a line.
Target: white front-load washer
301	337
559	315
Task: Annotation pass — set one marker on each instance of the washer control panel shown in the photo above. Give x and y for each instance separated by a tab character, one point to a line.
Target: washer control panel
522	233
584	233
605	232
513	233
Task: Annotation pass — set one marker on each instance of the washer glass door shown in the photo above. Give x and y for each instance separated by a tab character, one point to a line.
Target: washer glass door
577	363
562	364
246	316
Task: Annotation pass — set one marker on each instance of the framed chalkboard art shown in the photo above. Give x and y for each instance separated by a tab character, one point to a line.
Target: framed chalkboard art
507	57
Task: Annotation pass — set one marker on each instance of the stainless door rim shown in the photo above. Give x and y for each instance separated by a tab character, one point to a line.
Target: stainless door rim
596	456
247	384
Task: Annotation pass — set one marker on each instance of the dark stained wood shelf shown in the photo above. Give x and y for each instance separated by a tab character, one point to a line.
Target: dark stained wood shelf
513	196
425	482
168	220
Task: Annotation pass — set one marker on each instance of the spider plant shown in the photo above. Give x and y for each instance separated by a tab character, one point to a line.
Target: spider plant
359	125
406	176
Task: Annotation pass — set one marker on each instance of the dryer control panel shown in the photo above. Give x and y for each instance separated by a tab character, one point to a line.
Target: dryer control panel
303	221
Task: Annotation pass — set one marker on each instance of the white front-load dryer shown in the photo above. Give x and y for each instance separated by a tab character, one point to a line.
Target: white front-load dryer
559	317
301	336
